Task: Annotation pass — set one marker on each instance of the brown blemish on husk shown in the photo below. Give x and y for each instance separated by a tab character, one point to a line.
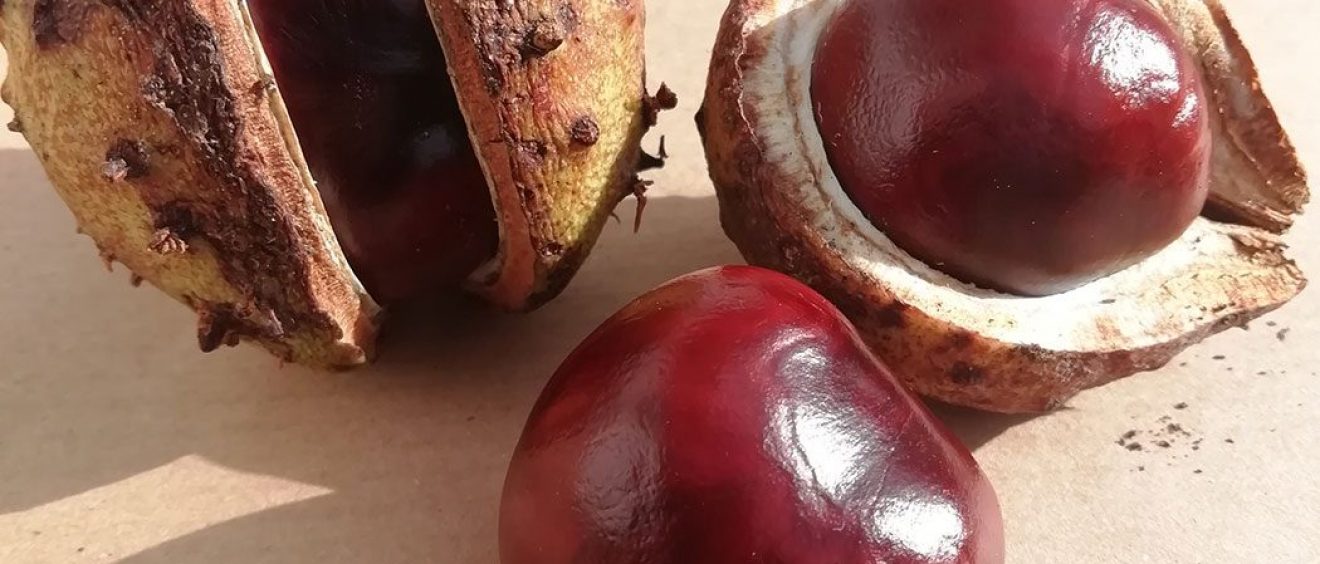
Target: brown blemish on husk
116	170
584	131
56	22
552	249
891	315
264	85
965	374
568	18
545	36
15	125
127	160
153	91
166	242
532	153
961	340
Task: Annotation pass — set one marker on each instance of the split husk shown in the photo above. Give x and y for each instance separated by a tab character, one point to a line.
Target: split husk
161	127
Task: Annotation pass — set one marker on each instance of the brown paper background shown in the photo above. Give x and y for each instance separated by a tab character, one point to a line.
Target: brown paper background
120	442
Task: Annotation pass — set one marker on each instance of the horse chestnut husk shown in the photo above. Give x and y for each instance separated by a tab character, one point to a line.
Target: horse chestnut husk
1013	201
285	168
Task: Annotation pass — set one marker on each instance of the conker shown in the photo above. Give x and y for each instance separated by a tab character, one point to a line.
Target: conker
734	416
1030	146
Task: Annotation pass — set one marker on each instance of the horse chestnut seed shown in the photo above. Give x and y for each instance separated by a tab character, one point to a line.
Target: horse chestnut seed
1023	145
733	415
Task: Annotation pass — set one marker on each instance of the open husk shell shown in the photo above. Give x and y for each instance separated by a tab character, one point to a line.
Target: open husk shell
784	208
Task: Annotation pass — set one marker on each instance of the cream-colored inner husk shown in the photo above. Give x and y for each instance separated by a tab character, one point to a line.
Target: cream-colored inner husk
1126	310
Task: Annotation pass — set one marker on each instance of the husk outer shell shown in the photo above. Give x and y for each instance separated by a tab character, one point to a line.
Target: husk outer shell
781	205
554	94
153	121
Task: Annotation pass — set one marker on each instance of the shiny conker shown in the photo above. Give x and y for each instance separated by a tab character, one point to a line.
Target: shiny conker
1029	146
733	415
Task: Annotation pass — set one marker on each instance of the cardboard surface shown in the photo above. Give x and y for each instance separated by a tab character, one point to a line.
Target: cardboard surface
120	442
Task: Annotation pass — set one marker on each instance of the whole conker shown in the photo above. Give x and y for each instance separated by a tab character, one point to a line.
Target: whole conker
734	416
1026	145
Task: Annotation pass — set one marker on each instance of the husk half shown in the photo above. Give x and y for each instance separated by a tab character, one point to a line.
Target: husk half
154	123
783	207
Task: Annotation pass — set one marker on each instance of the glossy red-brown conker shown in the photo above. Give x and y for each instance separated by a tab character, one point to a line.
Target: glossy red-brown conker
734	416
1029	146
366	86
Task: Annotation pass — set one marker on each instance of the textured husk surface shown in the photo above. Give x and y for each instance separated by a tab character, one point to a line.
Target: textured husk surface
555	97
154	123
